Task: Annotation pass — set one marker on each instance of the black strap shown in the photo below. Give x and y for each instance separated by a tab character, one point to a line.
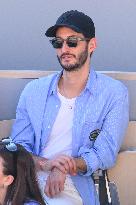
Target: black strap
103	196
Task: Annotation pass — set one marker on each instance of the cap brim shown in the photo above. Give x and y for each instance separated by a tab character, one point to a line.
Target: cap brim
51	32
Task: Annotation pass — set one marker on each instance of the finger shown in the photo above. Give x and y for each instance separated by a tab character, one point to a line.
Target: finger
73	169
54	186
64	164
52	191
60	180
65	161
61	167
57	189
47	188
72	165
61	185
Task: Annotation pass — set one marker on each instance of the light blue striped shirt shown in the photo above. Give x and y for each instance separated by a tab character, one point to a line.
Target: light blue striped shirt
102	105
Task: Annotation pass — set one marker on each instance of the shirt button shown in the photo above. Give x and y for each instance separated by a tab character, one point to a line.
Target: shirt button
49	126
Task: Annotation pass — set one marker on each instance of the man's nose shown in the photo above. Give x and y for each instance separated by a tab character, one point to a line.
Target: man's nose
65	46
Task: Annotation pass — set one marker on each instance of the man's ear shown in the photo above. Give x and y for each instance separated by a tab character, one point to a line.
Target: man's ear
8	180
92	45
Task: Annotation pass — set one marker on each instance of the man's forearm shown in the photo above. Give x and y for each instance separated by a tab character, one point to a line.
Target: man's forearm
60	162
41	163
44	164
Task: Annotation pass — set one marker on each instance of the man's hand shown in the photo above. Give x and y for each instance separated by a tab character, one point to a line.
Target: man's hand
64	163
69	165
55	183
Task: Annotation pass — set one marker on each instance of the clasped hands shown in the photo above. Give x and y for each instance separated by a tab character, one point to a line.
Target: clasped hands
60	166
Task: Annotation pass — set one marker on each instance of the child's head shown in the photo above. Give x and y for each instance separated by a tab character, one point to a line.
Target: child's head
8	167
17	173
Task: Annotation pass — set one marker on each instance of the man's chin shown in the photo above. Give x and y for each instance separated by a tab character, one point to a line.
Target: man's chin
70	68
67	62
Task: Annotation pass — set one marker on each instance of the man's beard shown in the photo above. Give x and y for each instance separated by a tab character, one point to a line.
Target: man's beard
81	59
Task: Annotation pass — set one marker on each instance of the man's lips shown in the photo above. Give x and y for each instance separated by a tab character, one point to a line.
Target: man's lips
67	56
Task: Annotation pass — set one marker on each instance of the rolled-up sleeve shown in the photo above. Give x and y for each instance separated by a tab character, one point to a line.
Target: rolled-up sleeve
103	153
22	131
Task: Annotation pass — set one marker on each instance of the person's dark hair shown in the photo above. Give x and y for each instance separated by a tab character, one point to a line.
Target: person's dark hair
21	166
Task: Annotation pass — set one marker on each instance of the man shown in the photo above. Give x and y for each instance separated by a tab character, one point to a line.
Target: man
74	121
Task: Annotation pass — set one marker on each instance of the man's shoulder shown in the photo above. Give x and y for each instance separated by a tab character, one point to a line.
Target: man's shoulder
42	80
110	84
40	84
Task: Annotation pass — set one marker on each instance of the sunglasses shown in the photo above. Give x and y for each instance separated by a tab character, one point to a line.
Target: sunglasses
71	41
9	144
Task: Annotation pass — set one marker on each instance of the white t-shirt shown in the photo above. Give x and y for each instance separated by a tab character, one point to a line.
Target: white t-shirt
60	142
60	139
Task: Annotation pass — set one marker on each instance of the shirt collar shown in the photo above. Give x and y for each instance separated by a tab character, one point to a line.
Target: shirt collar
91	82
53	88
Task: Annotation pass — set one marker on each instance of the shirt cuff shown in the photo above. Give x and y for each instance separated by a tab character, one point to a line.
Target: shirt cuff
91	160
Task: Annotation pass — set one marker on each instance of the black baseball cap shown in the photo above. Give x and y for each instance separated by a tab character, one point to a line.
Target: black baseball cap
77	21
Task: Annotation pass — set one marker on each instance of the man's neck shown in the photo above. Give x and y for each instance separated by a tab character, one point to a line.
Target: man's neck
72	83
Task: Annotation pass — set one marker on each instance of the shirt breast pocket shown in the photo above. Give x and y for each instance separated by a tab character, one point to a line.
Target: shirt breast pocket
90	132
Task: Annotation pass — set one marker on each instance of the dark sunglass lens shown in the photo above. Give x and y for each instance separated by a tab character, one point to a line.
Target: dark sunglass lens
57	43
72	42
